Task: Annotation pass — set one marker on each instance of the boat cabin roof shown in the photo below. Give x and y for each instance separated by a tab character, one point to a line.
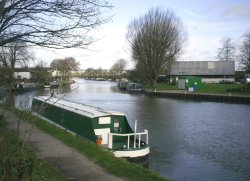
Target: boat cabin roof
82	109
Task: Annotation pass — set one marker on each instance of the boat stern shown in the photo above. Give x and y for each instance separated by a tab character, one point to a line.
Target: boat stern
132	153
134	148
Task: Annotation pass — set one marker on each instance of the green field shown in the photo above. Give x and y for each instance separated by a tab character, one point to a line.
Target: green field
236	89
116	166
161	87
225	89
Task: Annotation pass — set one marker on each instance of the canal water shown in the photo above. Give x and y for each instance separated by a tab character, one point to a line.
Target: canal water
190	140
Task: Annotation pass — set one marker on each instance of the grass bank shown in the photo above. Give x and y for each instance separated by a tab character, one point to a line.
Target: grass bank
235	89
117	166
18	162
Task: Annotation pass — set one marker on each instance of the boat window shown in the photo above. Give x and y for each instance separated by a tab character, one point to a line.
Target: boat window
116	125
104	120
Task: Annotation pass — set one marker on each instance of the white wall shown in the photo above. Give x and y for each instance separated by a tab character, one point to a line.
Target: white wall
217	80
23	75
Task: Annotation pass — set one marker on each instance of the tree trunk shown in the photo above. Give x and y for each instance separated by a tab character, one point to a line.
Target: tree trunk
152	83
6	170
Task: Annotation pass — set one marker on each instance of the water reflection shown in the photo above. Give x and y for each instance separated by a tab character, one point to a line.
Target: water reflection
189	140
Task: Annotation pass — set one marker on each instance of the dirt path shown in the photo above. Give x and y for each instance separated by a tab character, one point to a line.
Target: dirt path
74	165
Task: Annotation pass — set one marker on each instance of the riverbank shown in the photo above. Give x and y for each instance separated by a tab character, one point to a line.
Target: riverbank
204	96
18	161
94	155
210	92
30	86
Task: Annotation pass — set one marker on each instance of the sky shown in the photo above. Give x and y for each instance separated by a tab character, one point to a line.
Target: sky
207	23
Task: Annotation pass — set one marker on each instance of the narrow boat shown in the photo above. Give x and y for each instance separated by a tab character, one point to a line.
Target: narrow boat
52	85
111	130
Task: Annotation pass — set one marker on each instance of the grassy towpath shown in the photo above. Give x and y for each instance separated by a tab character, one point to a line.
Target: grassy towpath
19	162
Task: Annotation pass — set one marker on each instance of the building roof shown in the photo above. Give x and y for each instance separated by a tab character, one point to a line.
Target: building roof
203	68
31	69
82	109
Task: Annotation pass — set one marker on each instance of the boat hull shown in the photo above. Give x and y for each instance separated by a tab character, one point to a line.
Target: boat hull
132	153
135	156
142	160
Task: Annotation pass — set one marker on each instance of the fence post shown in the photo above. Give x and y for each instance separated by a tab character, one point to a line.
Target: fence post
110	141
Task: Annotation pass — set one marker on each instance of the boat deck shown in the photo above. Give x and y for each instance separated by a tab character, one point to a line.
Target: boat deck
123	146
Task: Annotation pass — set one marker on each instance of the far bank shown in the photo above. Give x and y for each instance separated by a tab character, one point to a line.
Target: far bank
211	92
204	96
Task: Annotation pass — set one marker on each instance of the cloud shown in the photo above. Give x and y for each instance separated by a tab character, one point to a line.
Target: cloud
217	4
193	14
238	11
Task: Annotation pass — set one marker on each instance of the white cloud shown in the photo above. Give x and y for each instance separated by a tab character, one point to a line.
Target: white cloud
102	53
207	23
200	48
238	11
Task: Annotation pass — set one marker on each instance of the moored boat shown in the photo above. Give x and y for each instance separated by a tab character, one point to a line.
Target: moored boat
52	85
133	87
122	84
108	129
24	87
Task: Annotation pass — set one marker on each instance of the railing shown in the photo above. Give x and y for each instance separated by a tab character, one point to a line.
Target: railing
110	138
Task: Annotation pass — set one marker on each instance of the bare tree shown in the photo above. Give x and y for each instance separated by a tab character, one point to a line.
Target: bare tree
156	40
15	53
90	72
65	65
40	73
119	65
227	52
6	76
50	23
244	55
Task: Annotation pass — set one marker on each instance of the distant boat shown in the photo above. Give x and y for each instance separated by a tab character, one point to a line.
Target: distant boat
110	130
133	87
23	87
100	79
54	84
122	84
